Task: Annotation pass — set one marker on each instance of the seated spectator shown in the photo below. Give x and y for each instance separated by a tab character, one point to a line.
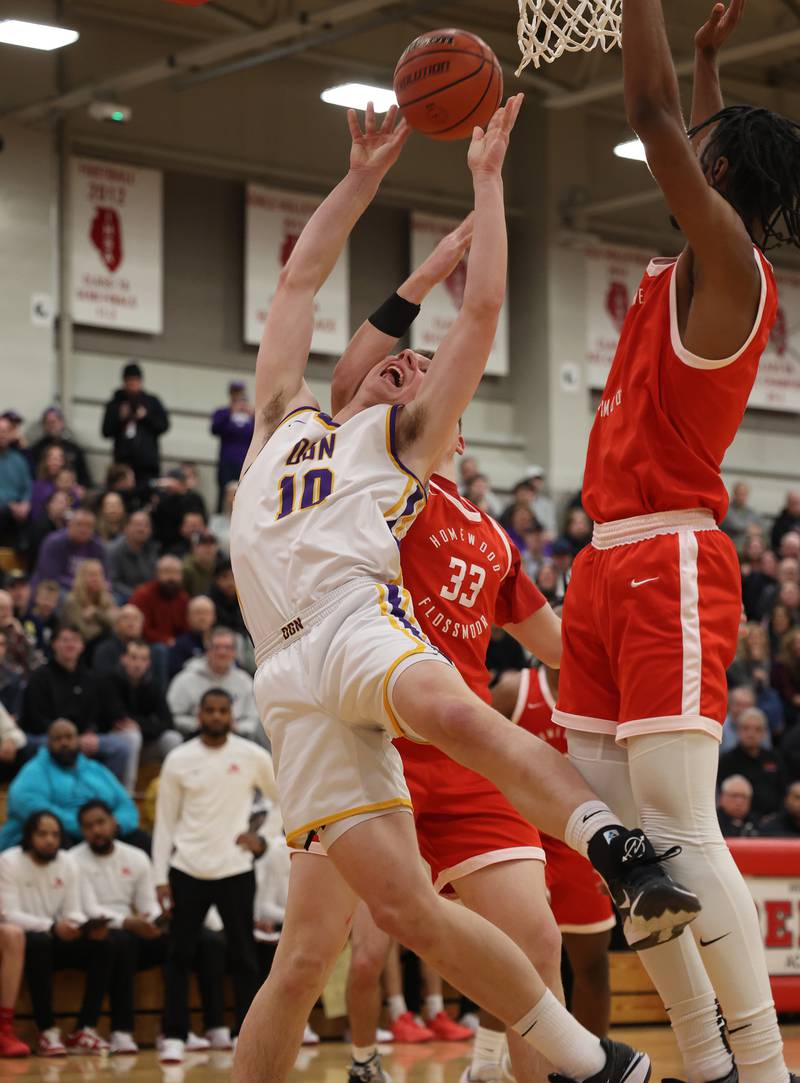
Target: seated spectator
740	699
163	602
220	523
233	425
479	491
128	625
89	606
20	653
789	596
578	530
15	488
192	524
788	572
18	437
61	778
467	469
788	519
40	892
533	555
561	558
518	520
790	753
174	502
226	600
135	704
547	580
117	882
54	434
740	515
63	551
13	750
132	558
540	504
217	669
18	585
41	620
201	615
121	479
50	466
54	518
193	485
786	676
734	808
12	962
111	516
778	627
198	567
752	667
11	684
755	579
762	768
64	688
785	824
790	546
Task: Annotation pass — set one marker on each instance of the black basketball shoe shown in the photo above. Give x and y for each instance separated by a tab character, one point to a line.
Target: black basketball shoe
653	907
368	1071
623	1065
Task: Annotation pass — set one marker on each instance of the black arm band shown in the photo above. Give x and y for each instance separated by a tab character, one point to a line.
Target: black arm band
395	316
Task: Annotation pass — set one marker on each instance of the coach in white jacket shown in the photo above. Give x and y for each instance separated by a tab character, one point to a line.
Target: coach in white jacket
40	892
203	853
215	669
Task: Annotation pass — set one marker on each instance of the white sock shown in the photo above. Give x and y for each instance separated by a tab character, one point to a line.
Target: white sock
487	1049
362	1053
585	822
697	1026
433	1005
397	1006
759	1055
568	1046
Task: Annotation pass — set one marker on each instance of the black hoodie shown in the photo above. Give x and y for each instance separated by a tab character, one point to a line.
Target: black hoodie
136	439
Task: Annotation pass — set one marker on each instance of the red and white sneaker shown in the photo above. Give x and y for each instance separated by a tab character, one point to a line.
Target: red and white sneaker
446	1029
51	1044
86	1042
408	1029
11	1046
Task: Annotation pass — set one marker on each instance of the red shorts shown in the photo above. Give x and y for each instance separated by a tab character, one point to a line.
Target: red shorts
651	621
463	822
577	899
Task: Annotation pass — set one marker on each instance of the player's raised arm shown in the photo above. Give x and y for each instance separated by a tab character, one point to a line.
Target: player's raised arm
427	426
707	98
723	283
285	344
378	335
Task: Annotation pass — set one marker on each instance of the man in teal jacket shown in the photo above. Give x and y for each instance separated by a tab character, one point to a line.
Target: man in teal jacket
61	779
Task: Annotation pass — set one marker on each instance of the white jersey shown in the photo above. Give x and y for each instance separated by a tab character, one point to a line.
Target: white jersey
321	504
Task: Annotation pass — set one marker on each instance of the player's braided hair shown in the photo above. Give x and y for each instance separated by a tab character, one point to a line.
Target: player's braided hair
763	178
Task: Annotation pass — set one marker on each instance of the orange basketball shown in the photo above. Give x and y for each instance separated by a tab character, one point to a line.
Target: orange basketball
446	82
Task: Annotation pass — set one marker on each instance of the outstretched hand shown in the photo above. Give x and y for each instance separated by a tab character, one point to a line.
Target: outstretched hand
721	23
377	148
487	151
449	252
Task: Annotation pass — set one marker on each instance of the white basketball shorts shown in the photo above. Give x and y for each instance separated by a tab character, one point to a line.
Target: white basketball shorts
324	693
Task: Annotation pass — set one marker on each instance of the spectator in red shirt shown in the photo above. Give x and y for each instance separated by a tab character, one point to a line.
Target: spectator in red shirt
163	602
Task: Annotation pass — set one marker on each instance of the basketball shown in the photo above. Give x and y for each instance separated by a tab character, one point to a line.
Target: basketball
447	82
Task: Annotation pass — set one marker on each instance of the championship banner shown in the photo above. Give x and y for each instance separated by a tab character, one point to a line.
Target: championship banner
444	302
274	221
777	385
117	246
612	278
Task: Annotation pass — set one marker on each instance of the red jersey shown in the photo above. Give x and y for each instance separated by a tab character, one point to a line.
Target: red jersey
464	574
534	709
667	417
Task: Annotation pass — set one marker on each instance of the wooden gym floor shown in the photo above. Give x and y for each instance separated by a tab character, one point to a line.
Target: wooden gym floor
436	1062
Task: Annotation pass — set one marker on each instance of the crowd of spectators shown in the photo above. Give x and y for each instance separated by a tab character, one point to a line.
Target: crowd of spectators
122	644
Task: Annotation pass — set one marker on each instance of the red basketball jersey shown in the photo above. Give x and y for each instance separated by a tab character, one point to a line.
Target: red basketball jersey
667	417
534	709
464	574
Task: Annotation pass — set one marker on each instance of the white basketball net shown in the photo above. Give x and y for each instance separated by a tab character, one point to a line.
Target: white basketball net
548	28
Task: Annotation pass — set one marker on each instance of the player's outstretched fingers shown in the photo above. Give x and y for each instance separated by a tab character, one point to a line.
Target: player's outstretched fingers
388	121
353	125
511	111
369	119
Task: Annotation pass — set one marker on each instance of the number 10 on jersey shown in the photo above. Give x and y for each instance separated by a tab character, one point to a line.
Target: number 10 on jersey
315	488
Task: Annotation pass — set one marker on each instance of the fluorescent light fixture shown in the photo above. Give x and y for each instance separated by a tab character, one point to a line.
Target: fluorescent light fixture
633	149
35	35
358	95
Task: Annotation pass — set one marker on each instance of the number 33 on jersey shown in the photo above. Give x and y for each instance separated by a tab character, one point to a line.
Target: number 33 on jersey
464	575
